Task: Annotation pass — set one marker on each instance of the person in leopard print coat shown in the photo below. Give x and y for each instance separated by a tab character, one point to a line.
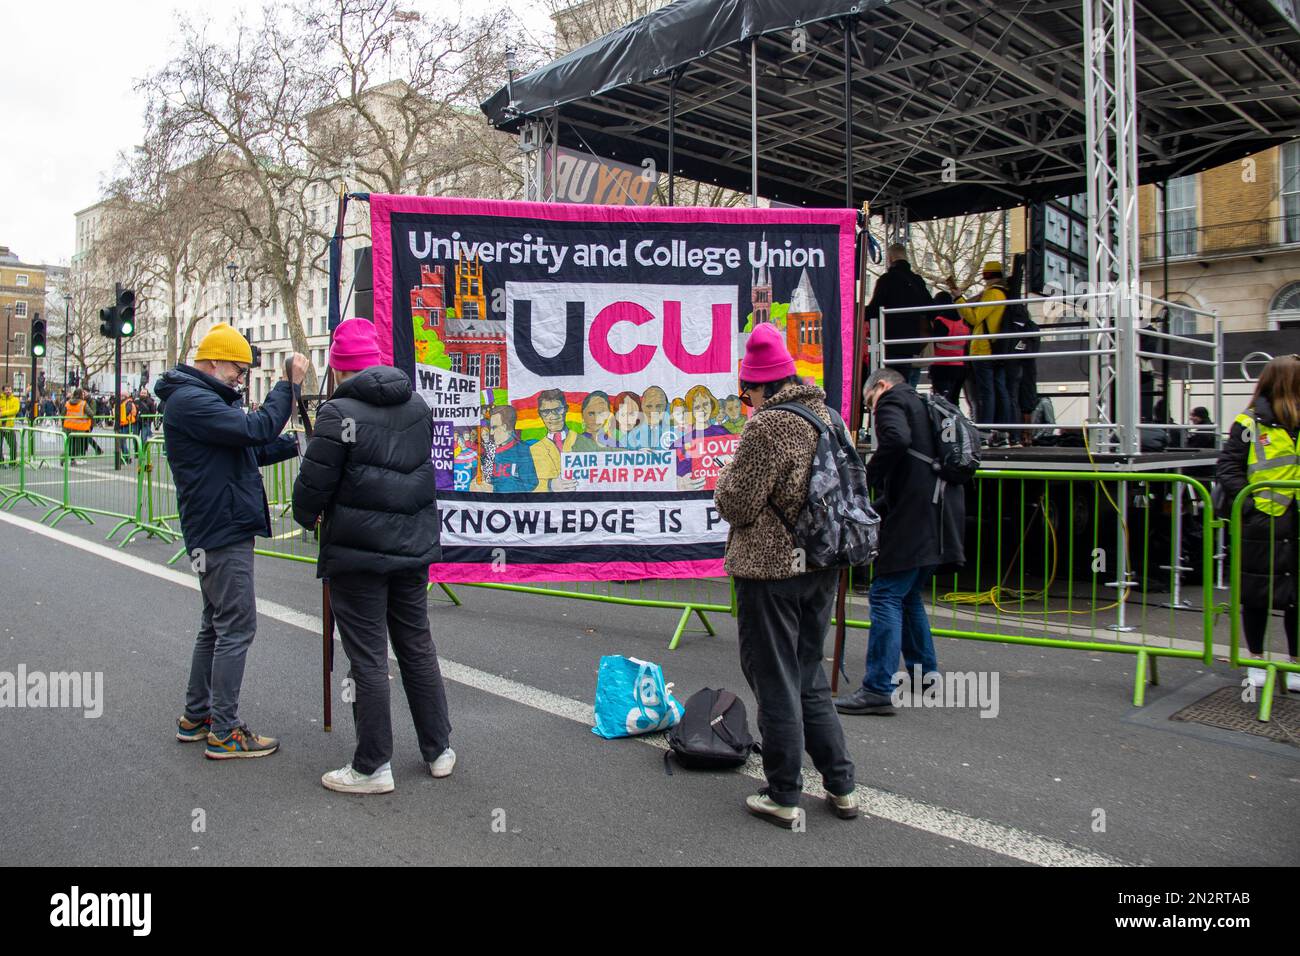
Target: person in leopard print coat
783	607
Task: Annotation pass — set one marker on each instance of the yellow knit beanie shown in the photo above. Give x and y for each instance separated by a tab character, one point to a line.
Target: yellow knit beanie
224	344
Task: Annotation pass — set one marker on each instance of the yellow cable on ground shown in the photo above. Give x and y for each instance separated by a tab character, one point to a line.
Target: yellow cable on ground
997	594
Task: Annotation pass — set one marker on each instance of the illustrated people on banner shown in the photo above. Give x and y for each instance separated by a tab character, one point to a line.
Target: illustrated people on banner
629	429
654	407
703	409
553	410
512	463
464	459
597	423
672	435
735	412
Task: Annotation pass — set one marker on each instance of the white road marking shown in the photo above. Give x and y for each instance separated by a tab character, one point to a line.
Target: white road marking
949	824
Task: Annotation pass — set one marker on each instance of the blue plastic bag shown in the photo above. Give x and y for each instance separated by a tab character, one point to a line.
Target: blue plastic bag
632	698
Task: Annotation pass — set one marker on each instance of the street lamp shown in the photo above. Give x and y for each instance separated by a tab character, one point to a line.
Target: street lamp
231	269
67	330
9	314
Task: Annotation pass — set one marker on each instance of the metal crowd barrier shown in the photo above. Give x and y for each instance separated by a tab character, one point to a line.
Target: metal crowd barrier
1081	560
80	474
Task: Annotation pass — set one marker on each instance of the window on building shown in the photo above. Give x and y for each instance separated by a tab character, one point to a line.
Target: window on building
311	298
1182	321
1180	194
21	279
475	367
1290	192
20	310
1285	310
493	379
457	365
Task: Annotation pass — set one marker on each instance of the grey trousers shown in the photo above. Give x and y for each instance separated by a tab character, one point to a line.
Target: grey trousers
782	627
226	630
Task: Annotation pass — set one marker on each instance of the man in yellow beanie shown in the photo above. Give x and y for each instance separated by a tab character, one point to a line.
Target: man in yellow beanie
215	450
993	403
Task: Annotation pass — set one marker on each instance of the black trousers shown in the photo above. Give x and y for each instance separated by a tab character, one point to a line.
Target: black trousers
371	610
1254	624
947	380
782	627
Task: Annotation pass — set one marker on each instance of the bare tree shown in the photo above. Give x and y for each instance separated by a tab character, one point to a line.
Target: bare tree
956	247
166	227
239	107
400	88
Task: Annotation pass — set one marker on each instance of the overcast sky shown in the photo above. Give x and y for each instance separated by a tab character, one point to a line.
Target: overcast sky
68	104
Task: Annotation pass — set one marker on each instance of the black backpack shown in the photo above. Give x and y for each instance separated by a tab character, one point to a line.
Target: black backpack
956	442
1015	318
712	734
837	527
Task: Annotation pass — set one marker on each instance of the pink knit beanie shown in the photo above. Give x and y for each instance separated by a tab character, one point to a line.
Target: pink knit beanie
355	346
766	357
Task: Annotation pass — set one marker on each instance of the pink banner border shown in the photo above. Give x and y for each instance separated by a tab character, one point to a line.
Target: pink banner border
382	207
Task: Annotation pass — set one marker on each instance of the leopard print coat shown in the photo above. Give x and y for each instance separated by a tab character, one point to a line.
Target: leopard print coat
770	470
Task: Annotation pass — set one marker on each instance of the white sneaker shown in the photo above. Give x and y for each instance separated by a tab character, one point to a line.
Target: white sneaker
1293	682
347	780
442	766
1256	675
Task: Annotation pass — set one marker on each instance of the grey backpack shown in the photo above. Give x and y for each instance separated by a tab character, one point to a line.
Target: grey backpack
837	527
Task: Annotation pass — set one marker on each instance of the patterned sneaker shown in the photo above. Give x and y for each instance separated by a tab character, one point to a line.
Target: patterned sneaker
761	805
442	766
347	780
240	742
191	731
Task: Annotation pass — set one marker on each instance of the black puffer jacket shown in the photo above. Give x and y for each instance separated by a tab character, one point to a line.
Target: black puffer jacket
367	473
915	532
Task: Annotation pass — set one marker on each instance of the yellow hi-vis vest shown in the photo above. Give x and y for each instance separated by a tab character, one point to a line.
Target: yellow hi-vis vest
1272	457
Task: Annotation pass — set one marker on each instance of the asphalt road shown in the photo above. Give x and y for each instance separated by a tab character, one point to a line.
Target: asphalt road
534	785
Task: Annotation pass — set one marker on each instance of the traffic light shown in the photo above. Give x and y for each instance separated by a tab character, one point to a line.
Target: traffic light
118	320
256	350
126	313
38	337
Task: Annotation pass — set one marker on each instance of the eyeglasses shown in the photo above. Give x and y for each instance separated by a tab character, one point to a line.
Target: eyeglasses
745	399
241	370
556	412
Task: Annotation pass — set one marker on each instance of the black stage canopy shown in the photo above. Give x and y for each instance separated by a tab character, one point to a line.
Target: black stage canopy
958	106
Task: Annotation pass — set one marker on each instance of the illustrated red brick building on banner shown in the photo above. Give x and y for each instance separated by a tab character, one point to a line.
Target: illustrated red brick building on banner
474	343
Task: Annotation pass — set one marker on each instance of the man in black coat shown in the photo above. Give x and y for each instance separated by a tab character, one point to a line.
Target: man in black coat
901	288
921	529
367	478
215	450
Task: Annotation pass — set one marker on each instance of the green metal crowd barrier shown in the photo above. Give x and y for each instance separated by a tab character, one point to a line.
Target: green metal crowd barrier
1271	665
1097	562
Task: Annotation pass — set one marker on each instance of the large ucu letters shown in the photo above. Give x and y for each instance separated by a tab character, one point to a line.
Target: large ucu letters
652	332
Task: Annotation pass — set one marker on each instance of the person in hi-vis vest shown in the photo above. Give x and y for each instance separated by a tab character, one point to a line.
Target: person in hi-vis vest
77	423
1262	447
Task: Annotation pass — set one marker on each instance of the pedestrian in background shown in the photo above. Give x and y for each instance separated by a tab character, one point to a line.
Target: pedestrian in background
783	608
948	371
1263	445
9	407
921	529
367	477
901	288
77	424
215	450
1203	435
992	398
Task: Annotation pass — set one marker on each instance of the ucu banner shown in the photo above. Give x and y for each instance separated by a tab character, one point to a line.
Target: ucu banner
581	367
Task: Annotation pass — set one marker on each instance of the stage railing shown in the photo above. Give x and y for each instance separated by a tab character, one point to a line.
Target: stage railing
879	343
